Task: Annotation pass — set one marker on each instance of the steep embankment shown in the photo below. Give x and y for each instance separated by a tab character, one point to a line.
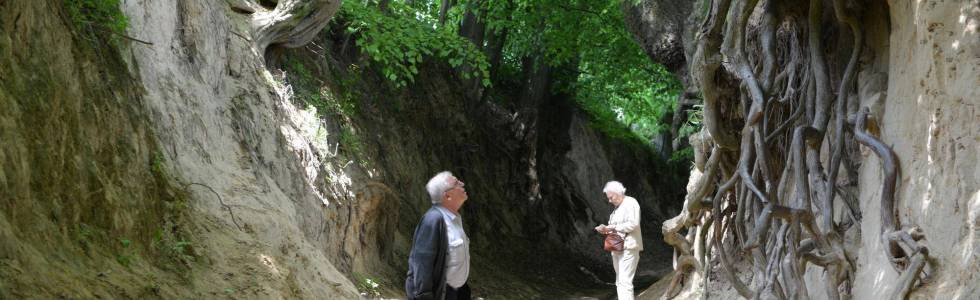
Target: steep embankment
150	169
929	111
185	165
88	209
918	73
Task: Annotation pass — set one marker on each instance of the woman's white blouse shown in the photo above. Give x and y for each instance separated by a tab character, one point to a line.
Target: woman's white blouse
625	219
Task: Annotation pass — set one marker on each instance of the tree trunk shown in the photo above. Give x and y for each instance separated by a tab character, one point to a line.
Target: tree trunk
495	44
444	11
658	26
473	26
472	29
292	24
495	51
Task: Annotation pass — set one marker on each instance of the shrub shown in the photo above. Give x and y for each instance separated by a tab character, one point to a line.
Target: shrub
97	18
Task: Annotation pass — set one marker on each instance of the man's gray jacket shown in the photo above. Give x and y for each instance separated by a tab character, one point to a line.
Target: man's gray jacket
427	261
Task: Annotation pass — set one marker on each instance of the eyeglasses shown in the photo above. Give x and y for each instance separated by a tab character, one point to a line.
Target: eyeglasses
459	183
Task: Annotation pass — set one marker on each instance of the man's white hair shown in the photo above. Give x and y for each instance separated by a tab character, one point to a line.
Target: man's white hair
438	186
615	187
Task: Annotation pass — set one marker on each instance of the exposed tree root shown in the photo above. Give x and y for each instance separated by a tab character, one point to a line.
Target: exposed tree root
293	23
902	247
764	187
222	202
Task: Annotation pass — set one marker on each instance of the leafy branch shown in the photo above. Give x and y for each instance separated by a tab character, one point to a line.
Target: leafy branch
398	42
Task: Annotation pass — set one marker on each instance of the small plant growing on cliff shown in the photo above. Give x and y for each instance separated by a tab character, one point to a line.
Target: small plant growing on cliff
312	91
367	286
156	165
175	250
151	285
125	258
93	17
352	143
85	235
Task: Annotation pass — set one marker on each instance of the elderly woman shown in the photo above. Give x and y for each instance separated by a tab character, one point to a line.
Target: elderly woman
625	221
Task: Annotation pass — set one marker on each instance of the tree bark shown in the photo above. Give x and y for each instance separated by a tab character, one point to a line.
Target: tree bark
293	23
495	51
473	26
444	11
658	26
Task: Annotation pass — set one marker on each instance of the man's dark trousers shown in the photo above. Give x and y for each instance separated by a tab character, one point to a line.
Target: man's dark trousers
462	293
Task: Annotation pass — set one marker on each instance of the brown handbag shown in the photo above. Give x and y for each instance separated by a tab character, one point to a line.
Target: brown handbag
613	242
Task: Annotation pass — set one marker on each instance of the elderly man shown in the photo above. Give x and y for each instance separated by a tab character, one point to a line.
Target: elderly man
625	221
440	259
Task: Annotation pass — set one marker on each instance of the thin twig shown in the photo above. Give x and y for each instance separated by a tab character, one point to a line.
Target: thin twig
103	28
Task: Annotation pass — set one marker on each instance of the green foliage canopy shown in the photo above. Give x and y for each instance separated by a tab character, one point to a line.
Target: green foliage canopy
616	81
612	78
398	40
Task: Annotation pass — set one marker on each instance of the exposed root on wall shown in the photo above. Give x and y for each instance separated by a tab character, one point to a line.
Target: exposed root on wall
768	190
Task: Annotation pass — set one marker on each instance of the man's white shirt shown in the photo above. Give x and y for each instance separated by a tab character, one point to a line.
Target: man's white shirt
458	262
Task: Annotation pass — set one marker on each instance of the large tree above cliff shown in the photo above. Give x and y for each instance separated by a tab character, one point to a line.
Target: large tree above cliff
291	24
659	28
605	70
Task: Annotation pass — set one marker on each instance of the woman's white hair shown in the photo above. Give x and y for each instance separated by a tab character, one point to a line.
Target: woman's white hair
615	187
438	186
